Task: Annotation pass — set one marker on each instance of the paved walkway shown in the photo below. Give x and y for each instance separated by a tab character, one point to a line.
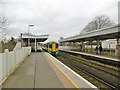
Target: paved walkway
37	72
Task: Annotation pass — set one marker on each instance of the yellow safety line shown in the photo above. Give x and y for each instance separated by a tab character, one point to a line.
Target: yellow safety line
76	86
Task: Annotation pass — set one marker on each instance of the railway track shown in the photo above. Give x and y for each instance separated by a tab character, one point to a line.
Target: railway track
106	74
106	68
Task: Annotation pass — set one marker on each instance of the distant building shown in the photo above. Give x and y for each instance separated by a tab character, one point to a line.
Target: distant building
111	43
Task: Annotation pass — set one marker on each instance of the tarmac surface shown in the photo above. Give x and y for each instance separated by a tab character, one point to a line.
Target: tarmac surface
37	71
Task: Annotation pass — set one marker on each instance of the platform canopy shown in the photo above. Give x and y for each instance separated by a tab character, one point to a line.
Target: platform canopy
112	32
39	38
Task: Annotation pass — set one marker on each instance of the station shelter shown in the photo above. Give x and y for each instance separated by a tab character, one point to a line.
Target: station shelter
28	39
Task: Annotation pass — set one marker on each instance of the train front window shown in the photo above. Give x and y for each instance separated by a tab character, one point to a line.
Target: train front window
50	46
56	45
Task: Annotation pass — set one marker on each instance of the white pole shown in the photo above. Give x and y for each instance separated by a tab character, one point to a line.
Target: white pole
35	45
28	36
31	25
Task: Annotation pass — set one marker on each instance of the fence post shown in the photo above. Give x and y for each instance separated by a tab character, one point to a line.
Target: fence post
7	65
29	50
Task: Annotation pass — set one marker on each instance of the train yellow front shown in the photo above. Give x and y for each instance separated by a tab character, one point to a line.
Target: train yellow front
52	48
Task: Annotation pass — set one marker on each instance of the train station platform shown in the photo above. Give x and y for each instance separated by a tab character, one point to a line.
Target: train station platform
94	55
112	61
41	70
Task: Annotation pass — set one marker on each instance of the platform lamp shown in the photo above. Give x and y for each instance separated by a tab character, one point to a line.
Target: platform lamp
31	25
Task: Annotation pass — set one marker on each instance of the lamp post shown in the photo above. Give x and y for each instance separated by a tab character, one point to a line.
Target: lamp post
31	25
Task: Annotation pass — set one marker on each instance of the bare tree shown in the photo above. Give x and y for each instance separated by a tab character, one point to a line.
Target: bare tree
98	22
3	26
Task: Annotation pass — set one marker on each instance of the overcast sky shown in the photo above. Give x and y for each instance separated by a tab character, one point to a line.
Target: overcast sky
59	18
